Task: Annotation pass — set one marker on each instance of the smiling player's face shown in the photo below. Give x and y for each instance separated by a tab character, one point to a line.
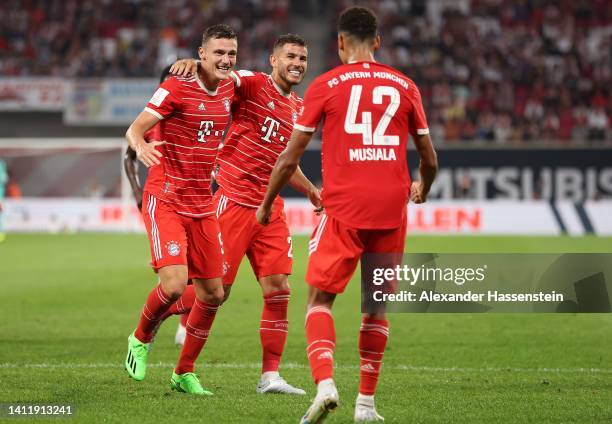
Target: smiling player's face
218	57
289	63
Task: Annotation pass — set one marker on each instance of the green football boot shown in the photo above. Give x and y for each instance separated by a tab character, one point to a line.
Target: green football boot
188	383
136	360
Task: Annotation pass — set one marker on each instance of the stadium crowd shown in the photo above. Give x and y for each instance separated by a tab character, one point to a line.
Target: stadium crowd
127	38
495	71
504	71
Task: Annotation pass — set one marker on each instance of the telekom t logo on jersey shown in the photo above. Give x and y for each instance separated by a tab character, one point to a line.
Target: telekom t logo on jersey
270	129
205	127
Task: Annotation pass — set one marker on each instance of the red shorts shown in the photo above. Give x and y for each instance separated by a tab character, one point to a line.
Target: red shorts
267	247
181	240
335	249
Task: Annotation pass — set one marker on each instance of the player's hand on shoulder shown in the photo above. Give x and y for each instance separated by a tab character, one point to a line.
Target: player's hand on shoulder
184	67
417	194
263	215
148	154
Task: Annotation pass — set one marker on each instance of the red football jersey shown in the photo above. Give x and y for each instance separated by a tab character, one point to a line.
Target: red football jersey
368	109
193	120
154	134
262	122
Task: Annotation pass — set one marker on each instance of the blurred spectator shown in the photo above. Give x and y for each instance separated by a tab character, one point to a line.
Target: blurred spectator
13	190
95	190
598	123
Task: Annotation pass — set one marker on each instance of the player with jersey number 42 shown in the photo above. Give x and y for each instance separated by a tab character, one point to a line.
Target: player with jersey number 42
368	111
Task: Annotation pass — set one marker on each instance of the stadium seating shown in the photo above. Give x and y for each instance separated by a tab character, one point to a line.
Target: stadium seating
121	38
500	71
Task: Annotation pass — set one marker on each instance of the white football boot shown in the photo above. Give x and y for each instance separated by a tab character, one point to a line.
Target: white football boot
272	382
365	412
181	333
327	400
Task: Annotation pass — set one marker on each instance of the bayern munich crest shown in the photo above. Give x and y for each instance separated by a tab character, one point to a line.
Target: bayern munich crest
173	247
227	104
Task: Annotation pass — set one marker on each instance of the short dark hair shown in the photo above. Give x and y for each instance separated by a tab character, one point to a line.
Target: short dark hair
359	22
165	74
289	39
218	31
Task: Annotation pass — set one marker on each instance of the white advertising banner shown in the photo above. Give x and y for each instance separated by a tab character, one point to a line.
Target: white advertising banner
600	215
107	101
32	94
435	218
482	217
70	215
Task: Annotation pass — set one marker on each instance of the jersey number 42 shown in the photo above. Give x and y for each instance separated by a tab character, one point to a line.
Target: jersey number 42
378	136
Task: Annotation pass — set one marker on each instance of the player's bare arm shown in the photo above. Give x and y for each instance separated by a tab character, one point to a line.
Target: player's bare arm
301	183
285	167
145	152
428	167
129	164
184	67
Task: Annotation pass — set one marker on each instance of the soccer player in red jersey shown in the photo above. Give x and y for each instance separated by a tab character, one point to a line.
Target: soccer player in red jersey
131	170
368	109
264	112
178	209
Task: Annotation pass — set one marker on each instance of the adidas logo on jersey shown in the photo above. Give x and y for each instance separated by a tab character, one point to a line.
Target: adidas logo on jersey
271	105
368	368
201	107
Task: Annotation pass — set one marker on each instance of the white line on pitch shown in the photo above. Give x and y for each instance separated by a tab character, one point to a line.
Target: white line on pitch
65	365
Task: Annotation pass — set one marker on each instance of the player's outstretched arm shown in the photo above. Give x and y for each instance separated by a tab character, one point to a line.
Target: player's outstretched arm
286	165
428	167
301	183
145	152
129	164
184	67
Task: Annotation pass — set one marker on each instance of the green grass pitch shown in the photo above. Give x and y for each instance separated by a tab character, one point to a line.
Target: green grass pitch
68	303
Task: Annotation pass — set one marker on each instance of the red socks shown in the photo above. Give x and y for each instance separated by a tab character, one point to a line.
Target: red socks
373	336
273	328
155	307
321	339
184	318
198	326
182	306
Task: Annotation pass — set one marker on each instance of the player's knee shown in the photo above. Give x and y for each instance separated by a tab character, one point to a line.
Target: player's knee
174	288
174	284
376	315
274	283
317	297
227	289
215	296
